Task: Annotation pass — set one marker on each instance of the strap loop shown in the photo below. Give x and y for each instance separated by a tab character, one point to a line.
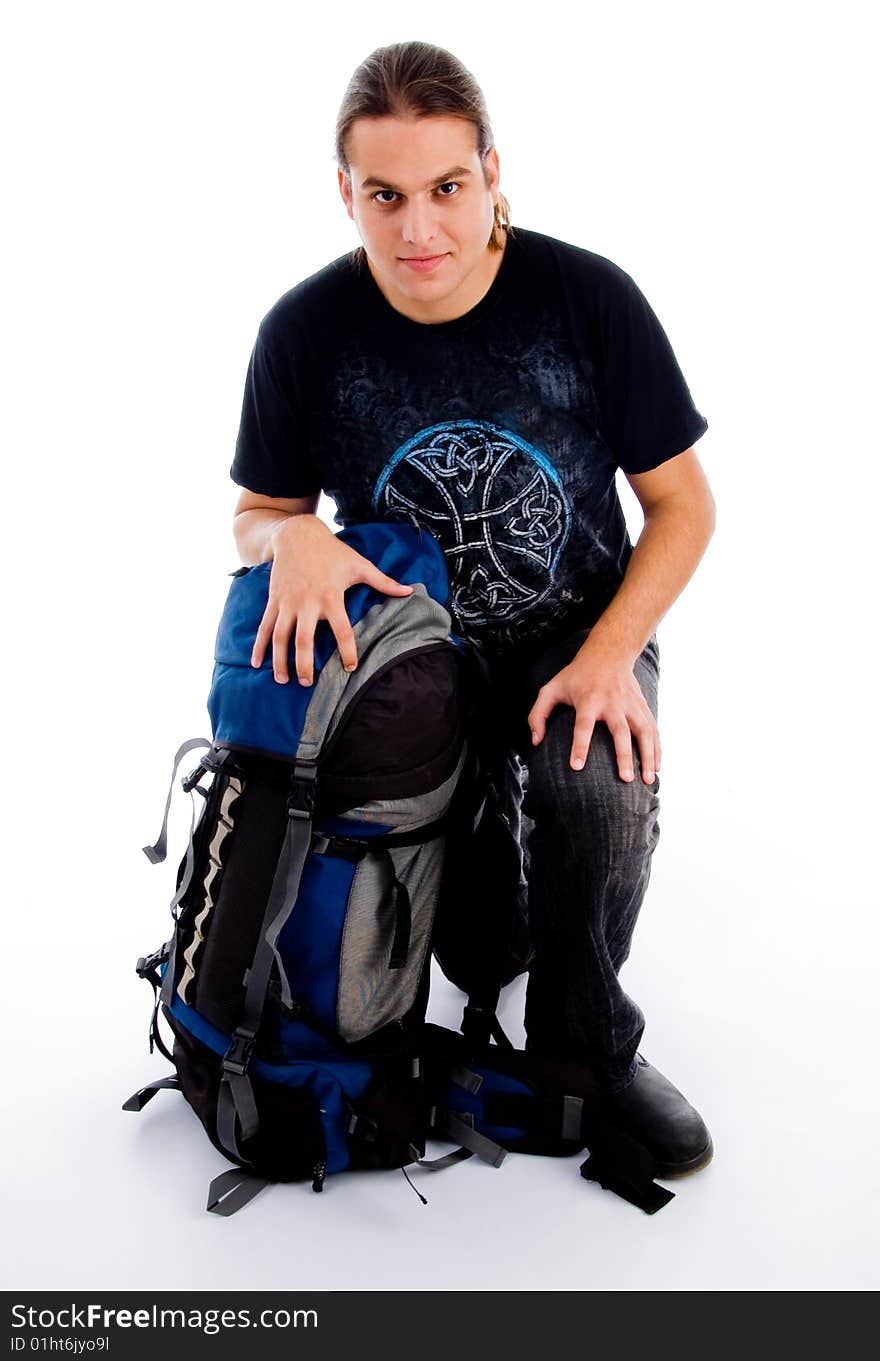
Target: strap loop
157	852
233	1189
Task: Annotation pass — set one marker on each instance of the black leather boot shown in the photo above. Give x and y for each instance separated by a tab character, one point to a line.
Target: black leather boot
662	1120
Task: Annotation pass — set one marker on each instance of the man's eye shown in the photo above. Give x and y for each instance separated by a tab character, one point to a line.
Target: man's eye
392	193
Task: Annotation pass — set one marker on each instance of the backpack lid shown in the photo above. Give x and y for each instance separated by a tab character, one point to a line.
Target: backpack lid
249	709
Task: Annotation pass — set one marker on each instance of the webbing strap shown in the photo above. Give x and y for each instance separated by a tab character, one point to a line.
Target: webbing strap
403	917
471	1139
572	1118
355	847
189	866
236	1094
236	1097
464	1078
233	1189
621	1164
139	1099
155	1036
282	896
157	852
448	1160
167	989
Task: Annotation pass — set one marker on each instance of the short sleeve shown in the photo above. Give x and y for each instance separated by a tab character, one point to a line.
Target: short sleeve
271	451
647	412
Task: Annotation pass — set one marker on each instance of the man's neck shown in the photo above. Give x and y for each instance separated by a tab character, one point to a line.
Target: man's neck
471	291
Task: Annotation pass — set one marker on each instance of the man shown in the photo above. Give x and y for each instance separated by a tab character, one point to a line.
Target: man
485	382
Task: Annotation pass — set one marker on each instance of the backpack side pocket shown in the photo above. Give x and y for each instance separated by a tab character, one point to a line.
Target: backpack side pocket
388	924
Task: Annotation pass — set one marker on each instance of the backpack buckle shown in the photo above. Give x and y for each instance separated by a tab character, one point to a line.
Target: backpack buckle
148	962
239	1054
301	799
190	781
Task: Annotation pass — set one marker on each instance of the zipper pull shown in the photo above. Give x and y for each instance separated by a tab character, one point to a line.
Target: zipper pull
318	1183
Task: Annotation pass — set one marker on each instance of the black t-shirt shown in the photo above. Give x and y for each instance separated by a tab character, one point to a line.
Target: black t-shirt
499	431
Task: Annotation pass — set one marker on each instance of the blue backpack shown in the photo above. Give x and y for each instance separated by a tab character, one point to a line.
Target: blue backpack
296	976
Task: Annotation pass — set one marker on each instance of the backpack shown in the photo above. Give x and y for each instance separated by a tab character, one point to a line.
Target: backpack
346	830
295	980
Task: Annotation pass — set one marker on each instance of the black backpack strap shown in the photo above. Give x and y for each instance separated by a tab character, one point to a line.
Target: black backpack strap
233	1189
355	848
447	1160
148	967
139	1099
622	1165
480	1023
236	1097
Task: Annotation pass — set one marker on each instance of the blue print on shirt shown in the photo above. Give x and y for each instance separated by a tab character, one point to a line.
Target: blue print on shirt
495	503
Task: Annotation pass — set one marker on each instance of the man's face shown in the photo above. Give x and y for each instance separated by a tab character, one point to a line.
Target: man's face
424	210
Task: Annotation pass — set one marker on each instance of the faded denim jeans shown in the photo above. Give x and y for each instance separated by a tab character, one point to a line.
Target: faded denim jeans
587	838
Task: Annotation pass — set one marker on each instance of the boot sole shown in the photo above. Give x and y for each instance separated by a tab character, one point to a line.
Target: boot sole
670	1171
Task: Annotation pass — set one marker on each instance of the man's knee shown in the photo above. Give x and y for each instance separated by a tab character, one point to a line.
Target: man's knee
592	798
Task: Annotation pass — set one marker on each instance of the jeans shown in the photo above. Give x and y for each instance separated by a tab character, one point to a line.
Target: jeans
587	838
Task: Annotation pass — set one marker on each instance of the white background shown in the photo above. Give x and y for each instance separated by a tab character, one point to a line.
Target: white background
170	172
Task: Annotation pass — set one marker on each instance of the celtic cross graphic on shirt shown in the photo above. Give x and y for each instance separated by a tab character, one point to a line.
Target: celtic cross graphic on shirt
496	505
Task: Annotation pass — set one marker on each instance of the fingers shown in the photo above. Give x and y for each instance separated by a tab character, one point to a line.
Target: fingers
264	633
622	735
584	723
344	634
648	739
628	718
280	648
623	748
387	585
540	712
304	656
279	630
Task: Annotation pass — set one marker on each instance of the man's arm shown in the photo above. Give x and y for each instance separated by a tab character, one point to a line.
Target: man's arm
679	512
600	683
258	518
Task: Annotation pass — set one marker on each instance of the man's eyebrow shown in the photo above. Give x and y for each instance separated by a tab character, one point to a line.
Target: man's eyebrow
456	173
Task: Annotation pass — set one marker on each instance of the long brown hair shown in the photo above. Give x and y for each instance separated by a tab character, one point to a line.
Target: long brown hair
417	80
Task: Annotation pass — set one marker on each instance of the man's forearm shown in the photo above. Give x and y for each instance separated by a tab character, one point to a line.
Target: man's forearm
255	532
671	544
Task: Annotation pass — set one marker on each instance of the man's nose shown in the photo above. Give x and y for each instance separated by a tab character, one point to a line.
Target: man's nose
419	222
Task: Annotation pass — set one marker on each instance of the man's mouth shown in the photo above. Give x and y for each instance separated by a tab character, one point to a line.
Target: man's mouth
421	263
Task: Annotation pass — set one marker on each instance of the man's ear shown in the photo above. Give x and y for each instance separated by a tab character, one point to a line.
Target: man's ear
345	189
492	172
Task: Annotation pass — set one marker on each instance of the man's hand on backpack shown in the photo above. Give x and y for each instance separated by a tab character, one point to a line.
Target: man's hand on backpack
601	687
311	571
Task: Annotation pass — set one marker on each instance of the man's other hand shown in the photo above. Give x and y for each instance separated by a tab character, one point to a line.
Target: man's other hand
601	687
